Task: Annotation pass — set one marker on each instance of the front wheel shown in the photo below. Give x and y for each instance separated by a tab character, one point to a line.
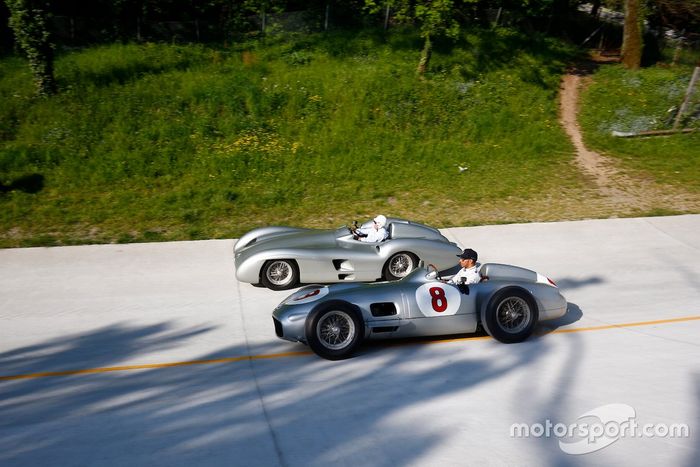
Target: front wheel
510	316
400	265
334	329
279	274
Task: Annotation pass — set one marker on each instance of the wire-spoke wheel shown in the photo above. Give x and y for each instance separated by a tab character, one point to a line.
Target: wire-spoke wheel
511	315
399	266
334	329
279	274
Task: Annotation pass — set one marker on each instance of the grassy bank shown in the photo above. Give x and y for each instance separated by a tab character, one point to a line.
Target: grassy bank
626	101
161	142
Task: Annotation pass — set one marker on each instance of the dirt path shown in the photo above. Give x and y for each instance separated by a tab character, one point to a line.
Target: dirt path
619	191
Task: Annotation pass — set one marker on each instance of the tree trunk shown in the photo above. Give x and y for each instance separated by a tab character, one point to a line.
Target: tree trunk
498	16
425	56
29	21
632	36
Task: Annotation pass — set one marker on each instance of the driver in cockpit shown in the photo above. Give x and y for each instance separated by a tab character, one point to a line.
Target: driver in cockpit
375	233
469	268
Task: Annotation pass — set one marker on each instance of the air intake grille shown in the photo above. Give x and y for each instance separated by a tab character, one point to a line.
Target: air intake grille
278	327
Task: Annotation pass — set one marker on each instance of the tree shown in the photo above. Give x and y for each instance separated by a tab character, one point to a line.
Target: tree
434	18
632	36
263	8
681	15
29	21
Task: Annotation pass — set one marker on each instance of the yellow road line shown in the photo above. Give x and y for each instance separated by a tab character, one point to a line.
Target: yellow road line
154	365
627	325
306	353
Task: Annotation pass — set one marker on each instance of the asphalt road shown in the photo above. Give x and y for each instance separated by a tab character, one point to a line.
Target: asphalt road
153	354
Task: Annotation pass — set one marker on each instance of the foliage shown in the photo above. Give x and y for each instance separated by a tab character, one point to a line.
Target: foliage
681	15
434	18
29	20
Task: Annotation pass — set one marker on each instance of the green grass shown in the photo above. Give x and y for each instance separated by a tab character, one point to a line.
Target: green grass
161	142
627	101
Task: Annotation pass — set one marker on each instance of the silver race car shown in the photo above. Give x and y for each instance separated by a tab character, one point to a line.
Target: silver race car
333	320
282	257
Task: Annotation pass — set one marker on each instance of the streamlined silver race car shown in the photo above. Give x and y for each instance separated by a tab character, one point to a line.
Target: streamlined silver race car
282	257
333	320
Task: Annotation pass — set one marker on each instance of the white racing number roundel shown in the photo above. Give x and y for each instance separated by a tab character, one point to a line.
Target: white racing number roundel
437	299
307	295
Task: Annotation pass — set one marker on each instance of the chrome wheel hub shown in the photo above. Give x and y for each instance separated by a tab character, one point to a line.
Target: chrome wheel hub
401	265
279	273
513	315
335	330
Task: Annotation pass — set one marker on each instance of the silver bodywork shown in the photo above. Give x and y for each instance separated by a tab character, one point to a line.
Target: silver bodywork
406	308
334	256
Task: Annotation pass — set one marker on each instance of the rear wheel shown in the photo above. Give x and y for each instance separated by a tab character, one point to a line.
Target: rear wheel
279	274
334	329
400	265
510	316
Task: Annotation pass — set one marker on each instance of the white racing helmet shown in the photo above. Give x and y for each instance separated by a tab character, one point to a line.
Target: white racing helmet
380	220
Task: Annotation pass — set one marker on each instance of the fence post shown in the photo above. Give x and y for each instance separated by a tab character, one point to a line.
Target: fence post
688	93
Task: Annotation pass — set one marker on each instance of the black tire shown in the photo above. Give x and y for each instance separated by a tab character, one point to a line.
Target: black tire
399	265
334	329
510	316
280	274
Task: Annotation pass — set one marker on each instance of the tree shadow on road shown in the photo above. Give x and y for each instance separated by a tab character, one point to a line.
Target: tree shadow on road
573	314
284	411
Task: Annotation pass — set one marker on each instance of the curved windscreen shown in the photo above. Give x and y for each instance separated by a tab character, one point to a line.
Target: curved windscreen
342	231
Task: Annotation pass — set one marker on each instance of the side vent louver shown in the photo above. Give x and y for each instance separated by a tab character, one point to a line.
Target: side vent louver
383	309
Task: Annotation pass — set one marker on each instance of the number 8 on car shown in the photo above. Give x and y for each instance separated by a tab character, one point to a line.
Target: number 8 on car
438	299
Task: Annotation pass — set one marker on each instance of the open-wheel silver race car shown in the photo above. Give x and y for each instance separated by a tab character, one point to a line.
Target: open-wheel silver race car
333	320
283	257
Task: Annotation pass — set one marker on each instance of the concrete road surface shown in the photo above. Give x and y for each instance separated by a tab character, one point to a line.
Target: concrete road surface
153	354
